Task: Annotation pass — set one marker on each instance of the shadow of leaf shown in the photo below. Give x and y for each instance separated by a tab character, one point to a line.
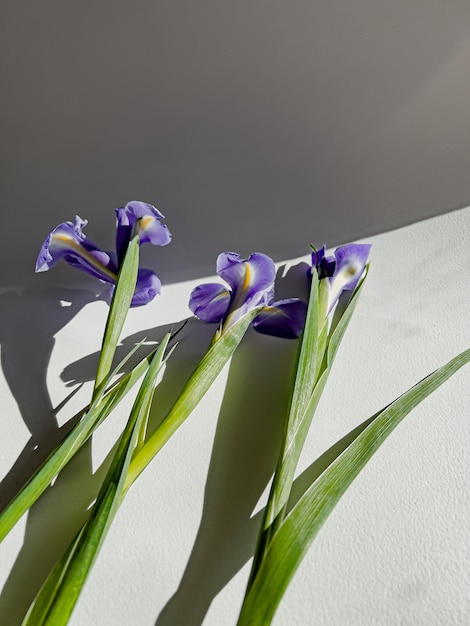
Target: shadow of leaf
29	321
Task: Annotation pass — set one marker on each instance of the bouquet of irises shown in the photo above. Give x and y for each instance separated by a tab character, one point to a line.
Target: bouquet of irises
244	297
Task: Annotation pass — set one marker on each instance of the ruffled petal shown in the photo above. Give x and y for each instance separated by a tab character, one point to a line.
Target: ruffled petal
148	221
67	241
209	302
285	318
249	276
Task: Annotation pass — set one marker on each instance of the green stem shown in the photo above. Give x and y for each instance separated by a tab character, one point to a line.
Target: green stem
317	351
212	363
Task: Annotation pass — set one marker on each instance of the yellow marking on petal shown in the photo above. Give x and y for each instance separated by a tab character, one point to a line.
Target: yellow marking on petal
273	310
70	241
246	282
239	297
145	222
222	294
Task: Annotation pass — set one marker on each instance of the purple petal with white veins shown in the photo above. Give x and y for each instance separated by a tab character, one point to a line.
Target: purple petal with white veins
147	219
209	302
285	318
67	241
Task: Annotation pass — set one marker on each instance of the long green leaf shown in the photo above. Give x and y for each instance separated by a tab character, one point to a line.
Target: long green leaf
38	611
210	366
304	377
59	594
315	361
216	357
292	540
65	596
307	365
98	410
102	406
295	443
120	303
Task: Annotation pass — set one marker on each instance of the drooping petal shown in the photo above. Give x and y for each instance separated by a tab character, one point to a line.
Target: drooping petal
146	219
285	318
209	302
350	261
148	286
67	241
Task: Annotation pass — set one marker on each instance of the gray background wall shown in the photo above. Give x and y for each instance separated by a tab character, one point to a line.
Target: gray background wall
253	125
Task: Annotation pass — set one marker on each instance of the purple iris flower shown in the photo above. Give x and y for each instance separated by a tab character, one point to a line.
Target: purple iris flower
68	241
146	219
342	270
250	285
284	318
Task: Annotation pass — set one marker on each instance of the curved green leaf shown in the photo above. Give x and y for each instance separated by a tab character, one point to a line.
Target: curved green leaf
57	597
316	356
292	540
221	349
92	417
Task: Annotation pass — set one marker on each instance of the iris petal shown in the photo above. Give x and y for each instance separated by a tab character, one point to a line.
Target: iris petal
147	219
148	286
67	241
252	286
350	262
285	318
210	302
325	265
251	281
250	276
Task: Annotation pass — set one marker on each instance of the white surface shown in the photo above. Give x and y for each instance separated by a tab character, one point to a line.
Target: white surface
396	549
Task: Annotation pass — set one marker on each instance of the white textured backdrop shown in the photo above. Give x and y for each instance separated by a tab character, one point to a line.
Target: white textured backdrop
396	549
